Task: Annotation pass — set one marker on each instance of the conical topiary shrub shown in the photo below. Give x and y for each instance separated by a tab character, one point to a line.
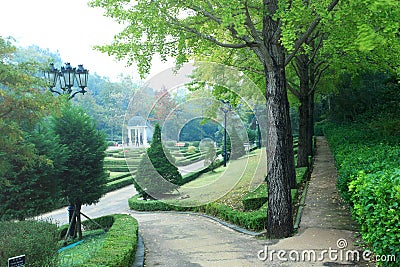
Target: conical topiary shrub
156	175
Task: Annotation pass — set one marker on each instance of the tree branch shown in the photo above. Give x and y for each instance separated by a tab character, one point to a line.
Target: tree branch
213	39
250	24
206	14
314	86
307	33
315	49
247	43
292	90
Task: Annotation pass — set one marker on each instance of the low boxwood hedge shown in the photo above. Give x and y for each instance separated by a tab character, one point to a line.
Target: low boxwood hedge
251	220
254	200
119	183
119	176
119	247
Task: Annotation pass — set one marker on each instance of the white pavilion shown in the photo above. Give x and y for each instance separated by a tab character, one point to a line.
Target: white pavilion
137	132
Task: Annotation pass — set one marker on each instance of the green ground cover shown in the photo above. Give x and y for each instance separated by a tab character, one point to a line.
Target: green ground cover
368	163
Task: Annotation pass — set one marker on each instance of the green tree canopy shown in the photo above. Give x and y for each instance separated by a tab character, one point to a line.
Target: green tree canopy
84	177
27	169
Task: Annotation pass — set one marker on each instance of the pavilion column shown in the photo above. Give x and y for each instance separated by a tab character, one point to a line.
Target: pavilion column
129	137
137	137
134	140
144	136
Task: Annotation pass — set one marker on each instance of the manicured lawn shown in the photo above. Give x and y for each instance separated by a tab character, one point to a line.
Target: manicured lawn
227	185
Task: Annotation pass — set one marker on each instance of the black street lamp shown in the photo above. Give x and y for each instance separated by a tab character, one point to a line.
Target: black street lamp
225	109
66	77
256	109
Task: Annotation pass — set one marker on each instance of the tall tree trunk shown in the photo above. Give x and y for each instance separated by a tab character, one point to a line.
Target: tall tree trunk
279	213
279	146
304	111
310	128
290	165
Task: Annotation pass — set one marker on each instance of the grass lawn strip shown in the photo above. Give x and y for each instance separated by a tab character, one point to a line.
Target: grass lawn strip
77	255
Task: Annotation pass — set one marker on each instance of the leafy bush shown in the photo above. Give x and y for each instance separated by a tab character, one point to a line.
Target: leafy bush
36	239
376	198
357	147
367	161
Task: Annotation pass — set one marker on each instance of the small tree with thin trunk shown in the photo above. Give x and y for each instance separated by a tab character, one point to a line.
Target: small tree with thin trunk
84	178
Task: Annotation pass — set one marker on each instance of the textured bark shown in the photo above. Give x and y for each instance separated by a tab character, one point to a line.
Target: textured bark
279	145
310	128
279	213
78	221
304	111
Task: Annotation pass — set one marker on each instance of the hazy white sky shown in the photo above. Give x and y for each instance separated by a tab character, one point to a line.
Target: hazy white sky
70	27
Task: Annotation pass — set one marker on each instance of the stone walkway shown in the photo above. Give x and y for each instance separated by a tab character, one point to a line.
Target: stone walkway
325	236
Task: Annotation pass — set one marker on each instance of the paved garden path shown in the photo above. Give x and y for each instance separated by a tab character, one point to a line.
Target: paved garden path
179	239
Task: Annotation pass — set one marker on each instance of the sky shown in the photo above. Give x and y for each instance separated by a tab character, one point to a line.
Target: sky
70	27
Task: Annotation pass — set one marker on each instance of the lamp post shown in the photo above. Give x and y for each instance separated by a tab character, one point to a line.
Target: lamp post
66	78
225	109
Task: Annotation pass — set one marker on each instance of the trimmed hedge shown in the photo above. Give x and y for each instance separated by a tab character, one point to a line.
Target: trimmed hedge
153	205
254	200
119	176
119	183
252	220
119	247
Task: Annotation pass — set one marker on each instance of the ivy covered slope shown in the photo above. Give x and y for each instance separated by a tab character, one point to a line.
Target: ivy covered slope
367	154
